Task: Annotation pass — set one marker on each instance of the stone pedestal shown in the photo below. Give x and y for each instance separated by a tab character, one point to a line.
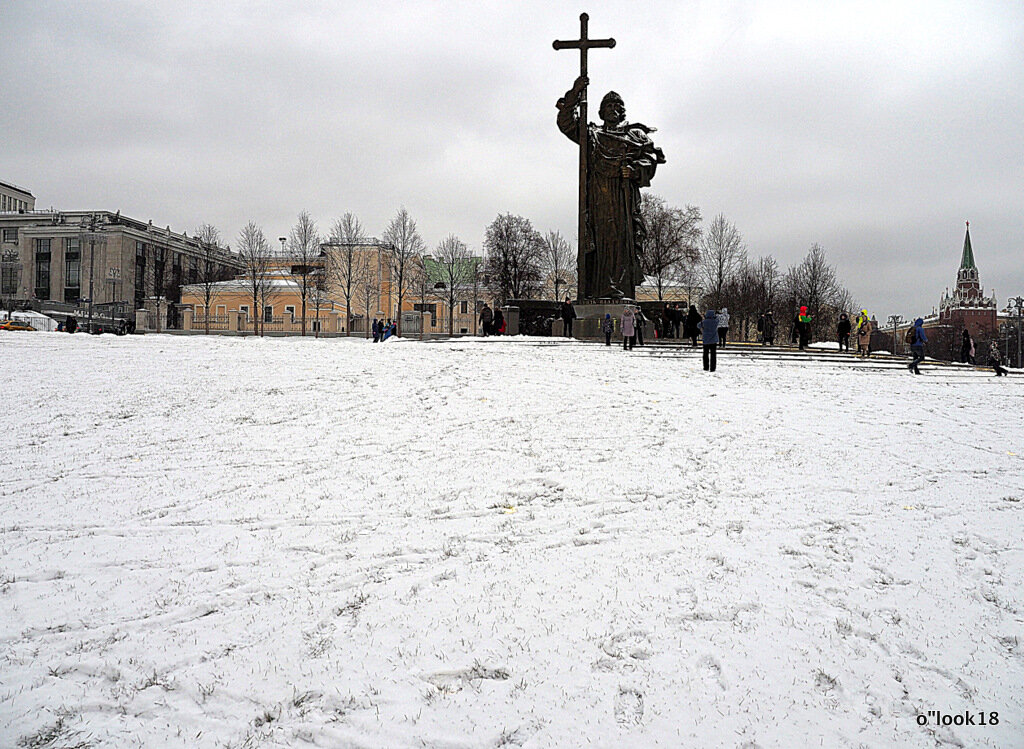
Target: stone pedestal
186	319
141	320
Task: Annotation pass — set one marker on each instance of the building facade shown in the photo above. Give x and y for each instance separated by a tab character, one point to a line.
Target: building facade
14	199
53	258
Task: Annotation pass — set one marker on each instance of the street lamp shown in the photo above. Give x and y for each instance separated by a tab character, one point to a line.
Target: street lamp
282	240
91	228
894	320
1017	303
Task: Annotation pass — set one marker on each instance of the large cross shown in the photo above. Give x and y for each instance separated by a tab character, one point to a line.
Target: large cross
583	44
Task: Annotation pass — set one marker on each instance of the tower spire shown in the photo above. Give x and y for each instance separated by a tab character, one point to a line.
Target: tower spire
967	258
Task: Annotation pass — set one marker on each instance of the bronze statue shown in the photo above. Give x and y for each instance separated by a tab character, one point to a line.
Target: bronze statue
616	159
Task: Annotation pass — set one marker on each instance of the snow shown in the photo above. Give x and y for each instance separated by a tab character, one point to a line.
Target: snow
213	541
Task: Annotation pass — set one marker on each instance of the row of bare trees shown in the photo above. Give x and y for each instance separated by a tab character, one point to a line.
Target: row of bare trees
750	287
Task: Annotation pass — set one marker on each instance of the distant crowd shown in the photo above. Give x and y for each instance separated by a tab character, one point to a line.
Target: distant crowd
713	330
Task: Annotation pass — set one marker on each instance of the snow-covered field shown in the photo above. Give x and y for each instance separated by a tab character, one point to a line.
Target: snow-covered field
476	543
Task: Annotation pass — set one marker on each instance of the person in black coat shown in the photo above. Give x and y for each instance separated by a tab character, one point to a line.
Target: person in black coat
568	315
692	325
499	322
768	333
843	332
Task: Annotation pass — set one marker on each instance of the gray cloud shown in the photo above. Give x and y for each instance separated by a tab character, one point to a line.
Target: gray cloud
874	129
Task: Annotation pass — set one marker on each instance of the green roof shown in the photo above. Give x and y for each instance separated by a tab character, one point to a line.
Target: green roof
967	259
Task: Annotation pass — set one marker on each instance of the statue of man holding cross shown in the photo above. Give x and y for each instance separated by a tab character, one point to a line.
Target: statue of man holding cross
616	159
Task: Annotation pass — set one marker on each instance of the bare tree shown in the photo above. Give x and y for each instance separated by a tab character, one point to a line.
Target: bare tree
813	282
367	282
255	252
672	240
455	269
722	253
319	294
304	246
211	271
514	252
347	261
406	246
422	283
558	263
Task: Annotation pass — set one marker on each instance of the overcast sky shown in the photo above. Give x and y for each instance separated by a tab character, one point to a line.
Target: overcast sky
873	129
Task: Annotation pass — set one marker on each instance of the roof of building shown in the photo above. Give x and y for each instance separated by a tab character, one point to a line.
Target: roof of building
967	258
11	186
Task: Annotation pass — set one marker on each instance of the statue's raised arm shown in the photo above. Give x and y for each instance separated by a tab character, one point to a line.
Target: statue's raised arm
568	110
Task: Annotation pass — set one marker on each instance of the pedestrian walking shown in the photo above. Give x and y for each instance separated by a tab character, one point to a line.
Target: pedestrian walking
995	359
628	325
723	326
498	326
607	327
375	329
692	325
843	332
917	339
638	321
709	337
486	319
864	328
568	315
966	347
677	320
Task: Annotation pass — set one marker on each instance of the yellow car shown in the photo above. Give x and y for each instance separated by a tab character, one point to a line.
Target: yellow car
15	325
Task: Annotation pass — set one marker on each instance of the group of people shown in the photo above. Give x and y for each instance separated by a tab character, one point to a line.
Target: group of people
383	330
492	322
968	352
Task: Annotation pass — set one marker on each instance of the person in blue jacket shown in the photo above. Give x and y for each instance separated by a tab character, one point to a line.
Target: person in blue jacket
917	341
709	333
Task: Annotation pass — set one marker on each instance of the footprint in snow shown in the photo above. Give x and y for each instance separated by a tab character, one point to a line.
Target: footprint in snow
629	706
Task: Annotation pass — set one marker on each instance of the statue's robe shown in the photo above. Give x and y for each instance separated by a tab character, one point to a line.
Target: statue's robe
610	267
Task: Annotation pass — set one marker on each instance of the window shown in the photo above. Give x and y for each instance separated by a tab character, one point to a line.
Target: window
464	309
140	273
42	289
158	271
222	310
244	309
199	310
10	235
289	309
268	313
72	270
193	271
9	279
316	326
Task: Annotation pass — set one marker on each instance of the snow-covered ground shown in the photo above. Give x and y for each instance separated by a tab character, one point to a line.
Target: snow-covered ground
281	542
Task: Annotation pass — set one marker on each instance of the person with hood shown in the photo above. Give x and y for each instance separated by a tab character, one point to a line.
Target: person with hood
499	322
375	329
995	359
803	328
709	336
917	340
723	326
568	315
864	328
639	320
628	327
607	327
486	318
692	325
843	332
966	348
